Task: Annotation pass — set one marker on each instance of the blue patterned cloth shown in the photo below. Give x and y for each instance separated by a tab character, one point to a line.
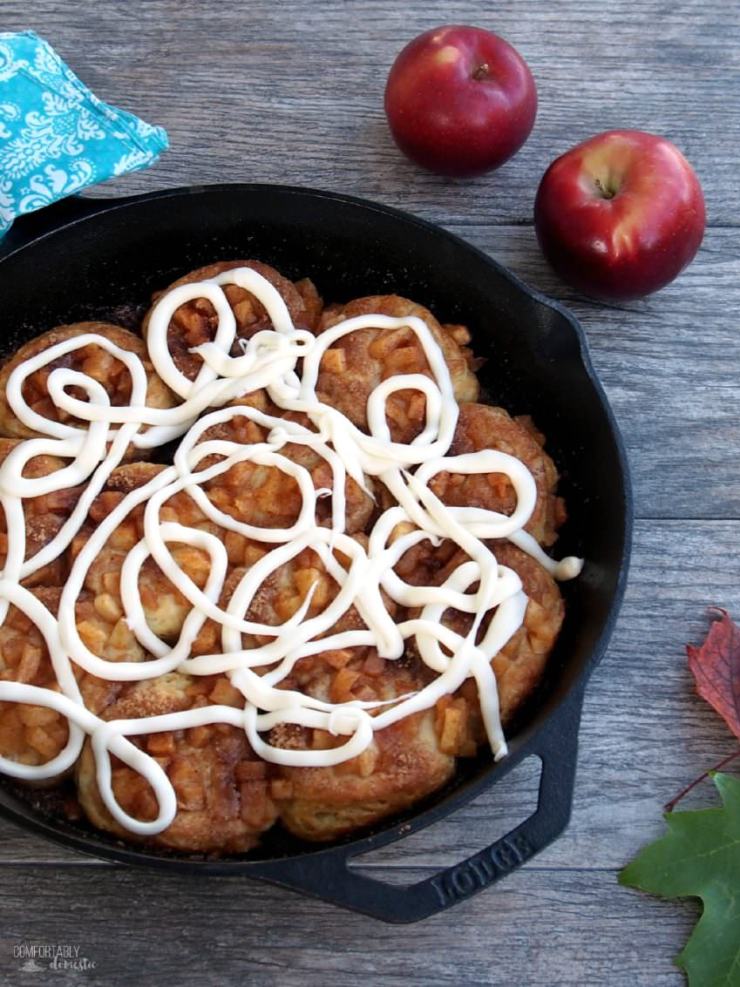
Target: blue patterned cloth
57	137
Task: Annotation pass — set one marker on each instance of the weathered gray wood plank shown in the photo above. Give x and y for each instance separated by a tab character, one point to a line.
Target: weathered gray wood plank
160	929
293	93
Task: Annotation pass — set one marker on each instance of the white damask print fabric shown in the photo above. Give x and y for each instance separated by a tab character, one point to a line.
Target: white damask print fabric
56	136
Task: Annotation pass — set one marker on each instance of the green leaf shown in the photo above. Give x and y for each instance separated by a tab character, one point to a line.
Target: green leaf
700	857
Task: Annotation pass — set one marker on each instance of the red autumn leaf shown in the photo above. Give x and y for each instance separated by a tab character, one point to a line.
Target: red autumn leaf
716	668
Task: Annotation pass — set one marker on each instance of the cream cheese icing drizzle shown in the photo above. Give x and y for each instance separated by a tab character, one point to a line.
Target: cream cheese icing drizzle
270	360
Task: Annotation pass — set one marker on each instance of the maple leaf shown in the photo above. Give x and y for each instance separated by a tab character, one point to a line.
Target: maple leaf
700	857
716	668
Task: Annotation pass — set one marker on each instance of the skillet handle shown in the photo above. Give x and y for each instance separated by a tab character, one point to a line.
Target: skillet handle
326	874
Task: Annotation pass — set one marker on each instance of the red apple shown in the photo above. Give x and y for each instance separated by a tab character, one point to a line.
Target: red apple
620	215
460	100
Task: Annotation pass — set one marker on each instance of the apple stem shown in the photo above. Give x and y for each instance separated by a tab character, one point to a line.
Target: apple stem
482	72
604	192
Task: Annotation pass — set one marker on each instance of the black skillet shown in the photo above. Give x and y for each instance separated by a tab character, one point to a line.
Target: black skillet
102	259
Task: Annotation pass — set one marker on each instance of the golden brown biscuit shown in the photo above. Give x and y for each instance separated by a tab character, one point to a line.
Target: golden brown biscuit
165	608
354	366
196	321
223	792
282	594
404	762
29	734
519	665
481	426
313	303
44	517
267	497
35	734
92	360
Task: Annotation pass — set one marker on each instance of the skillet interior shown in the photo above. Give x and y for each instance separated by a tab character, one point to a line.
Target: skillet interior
106	265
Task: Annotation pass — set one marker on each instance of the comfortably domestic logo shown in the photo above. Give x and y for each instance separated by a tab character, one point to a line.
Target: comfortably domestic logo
55	957
31	966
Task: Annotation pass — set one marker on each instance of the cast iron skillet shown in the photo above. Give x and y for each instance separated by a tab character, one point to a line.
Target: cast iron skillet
102	259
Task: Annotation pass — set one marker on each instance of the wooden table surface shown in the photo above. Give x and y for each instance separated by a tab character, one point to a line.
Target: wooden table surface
292	92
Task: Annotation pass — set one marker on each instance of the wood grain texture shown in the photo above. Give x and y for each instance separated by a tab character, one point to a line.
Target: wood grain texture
292	93
132	925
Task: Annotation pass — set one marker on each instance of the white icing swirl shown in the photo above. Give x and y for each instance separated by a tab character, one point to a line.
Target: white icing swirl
269	360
